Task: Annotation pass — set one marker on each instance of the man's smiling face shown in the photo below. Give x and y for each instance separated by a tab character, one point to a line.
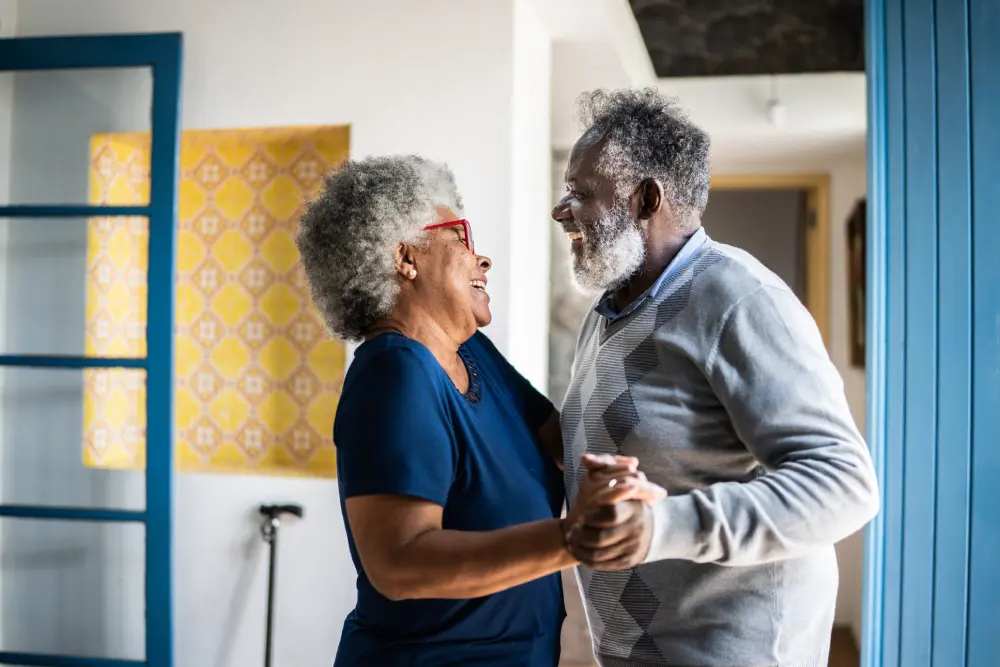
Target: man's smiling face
607	244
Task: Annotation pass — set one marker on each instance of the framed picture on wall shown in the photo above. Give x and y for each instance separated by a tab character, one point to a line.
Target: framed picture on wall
856	283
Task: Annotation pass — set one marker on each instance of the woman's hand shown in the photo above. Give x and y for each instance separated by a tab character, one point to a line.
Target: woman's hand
612	525
610	481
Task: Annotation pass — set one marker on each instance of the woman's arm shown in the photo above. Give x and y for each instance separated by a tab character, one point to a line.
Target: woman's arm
550	435
408	555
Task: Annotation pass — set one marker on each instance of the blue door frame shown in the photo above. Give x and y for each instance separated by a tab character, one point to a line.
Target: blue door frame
163	54
932	574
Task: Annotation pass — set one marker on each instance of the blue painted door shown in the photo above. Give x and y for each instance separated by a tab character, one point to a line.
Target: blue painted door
56	516
933	554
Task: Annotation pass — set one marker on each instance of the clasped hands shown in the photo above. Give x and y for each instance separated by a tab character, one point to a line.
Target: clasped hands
610	524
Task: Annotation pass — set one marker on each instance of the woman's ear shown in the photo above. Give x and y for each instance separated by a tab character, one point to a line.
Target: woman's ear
406	263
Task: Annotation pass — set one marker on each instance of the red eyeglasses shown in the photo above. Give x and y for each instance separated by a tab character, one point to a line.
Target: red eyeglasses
464	224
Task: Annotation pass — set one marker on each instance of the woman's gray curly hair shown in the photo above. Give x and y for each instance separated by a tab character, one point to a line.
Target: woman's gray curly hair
648	135
348	235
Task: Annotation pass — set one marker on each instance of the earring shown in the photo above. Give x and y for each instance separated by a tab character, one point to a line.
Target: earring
412	274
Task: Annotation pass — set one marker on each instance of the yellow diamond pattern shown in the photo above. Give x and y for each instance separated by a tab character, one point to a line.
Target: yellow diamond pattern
278	250
280	303
257	379
232	304
232	250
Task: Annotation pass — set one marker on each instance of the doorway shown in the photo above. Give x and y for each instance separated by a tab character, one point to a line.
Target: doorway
784	221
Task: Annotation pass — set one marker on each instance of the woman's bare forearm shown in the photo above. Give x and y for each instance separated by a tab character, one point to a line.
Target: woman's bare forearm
453	564
407	555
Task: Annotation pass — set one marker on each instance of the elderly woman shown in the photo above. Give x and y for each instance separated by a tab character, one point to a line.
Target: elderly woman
446	455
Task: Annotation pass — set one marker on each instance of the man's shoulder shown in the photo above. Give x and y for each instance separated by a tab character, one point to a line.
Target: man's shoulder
727	275
590	324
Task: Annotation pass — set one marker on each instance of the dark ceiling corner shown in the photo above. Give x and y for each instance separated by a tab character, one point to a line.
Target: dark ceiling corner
729	37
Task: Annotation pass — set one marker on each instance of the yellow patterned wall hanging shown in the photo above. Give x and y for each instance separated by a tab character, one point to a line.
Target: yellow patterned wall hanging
257	378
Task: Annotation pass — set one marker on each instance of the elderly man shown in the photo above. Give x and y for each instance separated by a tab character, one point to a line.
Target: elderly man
703	364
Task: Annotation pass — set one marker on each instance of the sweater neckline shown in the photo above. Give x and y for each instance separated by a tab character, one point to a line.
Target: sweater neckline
610	328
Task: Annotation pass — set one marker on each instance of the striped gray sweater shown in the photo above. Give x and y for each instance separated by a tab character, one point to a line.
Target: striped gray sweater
720	384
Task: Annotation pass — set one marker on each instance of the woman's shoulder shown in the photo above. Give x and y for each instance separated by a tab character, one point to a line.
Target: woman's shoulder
390	377
482	345
392	355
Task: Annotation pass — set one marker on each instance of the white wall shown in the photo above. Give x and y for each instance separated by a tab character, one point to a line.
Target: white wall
530	178
606	26
579	66
435	77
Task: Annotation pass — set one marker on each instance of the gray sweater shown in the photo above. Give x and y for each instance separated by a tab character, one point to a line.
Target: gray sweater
720	384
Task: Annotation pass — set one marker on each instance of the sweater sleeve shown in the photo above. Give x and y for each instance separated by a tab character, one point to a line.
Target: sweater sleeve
786	402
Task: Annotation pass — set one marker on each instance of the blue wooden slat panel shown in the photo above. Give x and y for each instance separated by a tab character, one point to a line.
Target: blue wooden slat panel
951	550
68	362
895	369
71	513
920	397
984	565
42	660
937	604
87	51
164	168
70	211
874	550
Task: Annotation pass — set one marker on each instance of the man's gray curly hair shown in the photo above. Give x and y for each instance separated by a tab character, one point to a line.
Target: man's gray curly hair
648	135
348	235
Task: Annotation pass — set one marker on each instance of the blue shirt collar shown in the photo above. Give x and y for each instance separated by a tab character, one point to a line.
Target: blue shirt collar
606	306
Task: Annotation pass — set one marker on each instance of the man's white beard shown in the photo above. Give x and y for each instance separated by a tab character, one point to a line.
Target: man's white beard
612	251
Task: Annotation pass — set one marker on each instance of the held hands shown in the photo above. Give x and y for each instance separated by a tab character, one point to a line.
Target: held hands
610	523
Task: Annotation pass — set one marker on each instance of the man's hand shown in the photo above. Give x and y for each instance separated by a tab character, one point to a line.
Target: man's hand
610	480
613	531
613	537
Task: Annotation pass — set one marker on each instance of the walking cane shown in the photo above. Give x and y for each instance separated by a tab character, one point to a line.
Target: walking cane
269	530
